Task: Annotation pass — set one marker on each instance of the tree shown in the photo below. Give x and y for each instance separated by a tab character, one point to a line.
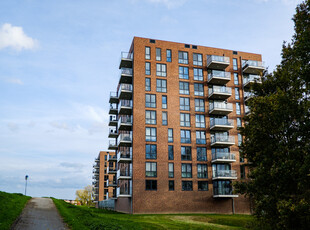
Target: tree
85	195
277	136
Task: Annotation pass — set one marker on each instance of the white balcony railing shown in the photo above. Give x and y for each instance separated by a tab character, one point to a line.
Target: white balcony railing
220	105
219	89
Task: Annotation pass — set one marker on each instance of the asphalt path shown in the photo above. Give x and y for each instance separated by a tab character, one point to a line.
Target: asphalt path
39	214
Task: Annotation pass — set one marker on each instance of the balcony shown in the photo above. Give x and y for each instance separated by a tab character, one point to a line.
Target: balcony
125	91
96	177
111	183
97	160
126	60
222	124
113	120
247	110
223	157
248	96
223	193
111	157
124	174
112	145
250	79
113	109
124	156
125	139
113	133
220	108
125	123
113	98
217	62
111	170
218	77
124	191
219	92
253	67
224	175
96	166
219	140
96	171
125	107
126	76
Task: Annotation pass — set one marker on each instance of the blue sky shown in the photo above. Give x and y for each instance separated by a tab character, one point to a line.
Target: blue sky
59	61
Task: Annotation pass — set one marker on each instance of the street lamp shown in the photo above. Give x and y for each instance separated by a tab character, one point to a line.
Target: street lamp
26	178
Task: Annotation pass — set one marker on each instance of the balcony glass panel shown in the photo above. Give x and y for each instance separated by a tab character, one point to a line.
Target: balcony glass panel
126	71
219	73
221	121
219	89
220	105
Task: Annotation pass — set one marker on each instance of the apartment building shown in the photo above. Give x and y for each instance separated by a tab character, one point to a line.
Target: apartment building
174	120
104	183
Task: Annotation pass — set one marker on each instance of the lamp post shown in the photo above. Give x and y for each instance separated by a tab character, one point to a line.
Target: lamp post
26	178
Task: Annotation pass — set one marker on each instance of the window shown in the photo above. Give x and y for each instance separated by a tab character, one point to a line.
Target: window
147	68
238	108
161	70
184	103
198	89
186	170
187	186
236	79
202	171
186	153
239	122
185	136
197	59
239	139
150	151
201	154
198	75
183	87
183	72
235	64
164	118
242	171
194	47
199	105
150	134
185	120
237	96
151	185
200	121
170	135
169	56
200	137
164	102
170	152
187	46
158	54
150	169
161	86
152	41
147	53
150	117
171	170
150	101
183	57
171	185
202	185
147	84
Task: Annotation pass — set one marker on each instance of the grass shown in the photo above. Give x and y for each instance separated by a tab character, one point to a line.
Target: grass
80	218
11	206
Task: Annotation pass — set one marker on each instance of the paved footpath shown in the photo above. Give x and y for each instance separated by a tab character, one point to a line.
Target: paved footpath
40	214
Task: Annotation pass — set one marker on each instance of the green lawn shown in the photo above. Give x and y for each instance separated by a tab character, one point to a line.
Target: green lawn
78	217
11	205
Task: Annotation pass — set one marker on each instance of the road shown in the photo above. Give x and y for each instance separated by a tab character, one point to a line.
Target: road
40	214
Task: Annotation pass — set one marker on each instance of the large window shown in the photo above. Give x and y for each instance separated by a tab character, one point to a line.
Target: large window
236	79
197	59
239	139
183	72
239	122
202	171
184	87
202	185
164	118
201	154
170	135
186	170
187	186
198	74
169	56
147	84
171	170
150	117
147	53
150	169
185	120
170	152
150	151
184	103
171	185
235	64
150	134
200	121
237	95
147	68
150	101
151	185
186	153
199	105
164	102
198	89
238	110
161	85
158	54
201	137
161	70
185	136
183	57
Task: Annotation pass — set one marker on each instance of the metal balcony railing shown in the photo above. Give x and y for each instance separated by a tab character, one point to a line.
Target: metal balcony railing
221	121
126	71
251	78
219	89
224	173
220	105
222	139
126	55
223	155
259	64
219	74
222	191
215	58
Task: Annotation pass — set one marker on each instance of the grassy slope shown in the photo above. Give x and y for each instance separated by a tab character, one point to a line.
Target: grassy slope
11	205
80	218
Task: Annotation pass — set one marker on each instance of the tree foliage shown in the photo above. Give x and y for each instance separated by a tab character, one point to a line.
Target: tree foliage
85	195
277	136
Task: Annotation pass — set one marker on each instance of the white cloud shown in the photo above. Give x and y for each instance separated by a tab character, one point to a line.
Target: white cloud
14	80
13	127
61	125
15	38
169	3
